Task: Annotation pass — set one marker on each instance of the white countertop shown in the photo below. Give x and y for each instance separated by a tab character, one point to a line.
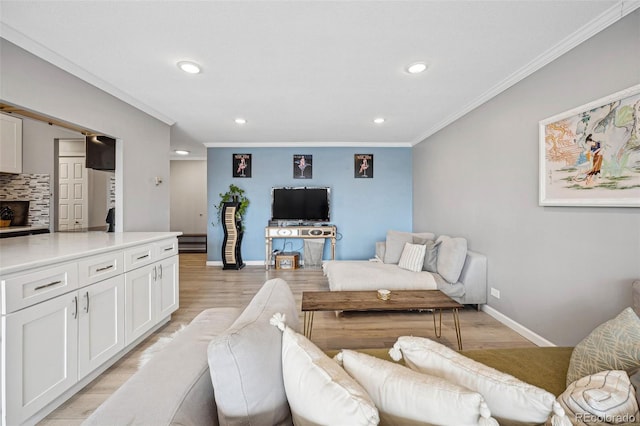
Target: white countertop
20	253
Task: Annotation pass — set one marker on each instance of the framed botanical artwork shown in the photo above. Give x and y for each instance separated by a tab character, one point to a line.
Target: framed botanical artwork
302	166
590	155
241	165
363	166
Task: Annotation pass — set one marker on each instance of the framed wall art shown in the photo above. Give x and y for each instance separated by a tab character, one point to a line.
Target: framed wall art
363	166
302	166
590	155
241	165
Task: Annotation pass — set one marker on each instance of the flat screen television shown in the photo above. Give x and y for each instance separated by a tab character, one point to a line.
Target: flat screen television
300	204
100	153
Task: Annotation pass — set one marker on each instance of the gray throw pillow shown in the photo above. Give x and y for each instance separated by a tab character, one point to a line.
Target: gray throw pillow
452	254
246	361
397	239
431	256
612	345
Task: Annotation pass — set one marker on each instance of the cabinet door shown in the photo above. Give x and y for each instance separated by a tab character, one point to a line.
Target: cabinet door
140	299
167	287
101	333
10	144
41	348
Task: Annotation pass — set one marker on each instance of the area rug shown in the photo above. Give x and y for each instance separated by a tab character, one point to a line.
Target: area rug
163	341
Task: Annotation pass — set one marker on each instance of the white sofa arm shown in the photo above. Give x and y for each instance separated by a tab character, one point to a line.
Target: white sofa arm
474	278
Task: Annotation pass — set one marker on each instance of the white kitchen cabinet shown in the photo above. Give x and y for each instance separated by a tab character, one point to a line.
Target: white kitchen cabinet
10	144
140	295
167	286
67	301
41	350
151	294
101	323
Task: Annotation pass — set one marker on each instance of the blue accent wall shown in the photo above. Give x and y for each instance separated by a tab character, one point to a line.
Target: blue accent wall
362	209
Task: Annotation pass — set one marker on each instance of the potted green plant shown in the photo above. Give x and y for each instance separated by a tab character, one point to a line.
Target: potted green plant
234	194
6	216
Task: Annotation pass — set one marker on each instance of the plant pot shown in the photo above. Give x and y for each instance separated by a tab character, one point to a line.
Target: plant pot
5	223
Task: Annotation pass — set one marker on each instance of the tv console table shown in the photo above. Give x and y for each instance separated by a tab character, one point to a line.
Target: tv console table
271	232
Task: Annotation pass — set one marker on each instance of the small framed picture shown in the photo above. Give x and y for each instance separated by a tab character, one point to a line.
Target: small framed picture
241	165
302	166
363	166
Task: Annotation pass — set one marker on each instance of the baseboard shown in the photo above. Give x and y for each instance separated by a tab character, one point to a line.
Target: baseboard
517	327
248	262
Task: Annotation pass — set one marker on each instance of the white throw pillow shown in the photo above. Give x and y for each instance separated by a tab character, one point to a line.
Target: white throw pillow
508	398
604	397
406	397
319	391
452	254
412	257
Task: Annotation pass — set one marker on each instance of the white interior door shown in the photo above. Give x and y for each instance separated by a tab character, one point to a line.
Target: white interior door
73	204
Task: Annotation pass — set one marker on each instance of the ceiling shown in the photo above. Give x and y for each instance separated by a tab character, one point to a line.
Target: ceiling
304	73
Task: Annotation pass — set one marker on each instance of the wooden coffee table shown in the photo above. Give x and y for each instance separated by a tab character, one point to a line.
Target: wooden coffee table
401	300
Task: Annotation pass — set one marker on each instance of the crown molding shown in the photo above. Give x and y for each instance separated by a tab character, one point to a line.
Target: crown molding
308	144
588	30
44	53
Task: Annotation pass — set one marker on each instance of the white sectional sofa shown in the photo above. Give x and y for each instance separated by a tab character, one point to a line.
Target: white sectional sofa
191	382
449	266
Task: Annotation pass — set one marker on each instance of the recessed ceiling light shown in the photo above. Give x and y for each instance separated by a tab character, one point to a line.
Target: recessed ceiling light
378	120
416	68
189	67
241	121
181	152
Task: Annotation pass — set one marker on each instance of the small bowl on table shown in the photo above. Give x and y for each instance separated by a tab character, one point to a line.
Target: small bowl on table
384	294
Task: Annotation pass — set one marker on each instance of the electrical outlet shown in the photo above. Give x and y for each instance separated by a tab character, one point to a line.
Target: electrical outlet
495	293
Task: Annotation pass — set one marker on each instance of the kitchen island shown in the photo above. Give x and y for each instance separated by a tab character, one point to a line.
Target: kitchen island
74	303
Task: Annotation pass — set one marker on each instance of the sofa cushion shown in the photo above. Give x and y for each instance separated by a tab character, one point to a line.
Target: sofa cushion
431	256
245	361
158	394
319	391
451	256
406	397
604	395
396	241
610	346
508	398
412	257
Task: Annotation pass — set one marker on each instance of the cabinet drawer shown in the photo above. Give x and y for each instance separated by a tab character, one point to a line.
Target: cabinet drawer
139	256
98	268
167	248
26	289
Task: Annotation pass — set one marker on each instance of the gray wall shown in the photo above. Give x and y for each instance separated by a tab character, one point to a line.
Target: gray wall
189	196
32	83
560	270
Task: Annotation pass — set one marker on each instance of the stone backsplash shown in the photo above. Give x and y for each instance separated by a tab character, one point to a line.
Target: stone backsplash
35	188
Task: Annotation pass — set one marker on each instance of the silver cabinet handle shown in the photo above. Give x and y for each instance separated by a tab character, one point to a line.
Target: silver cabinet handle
104	268
155	273
169	248
86	309
40	287
160	266
142	257
75	307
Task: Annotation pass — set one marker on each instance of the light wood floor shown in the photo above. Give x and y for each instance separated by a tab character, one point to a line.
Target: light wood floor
203	287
